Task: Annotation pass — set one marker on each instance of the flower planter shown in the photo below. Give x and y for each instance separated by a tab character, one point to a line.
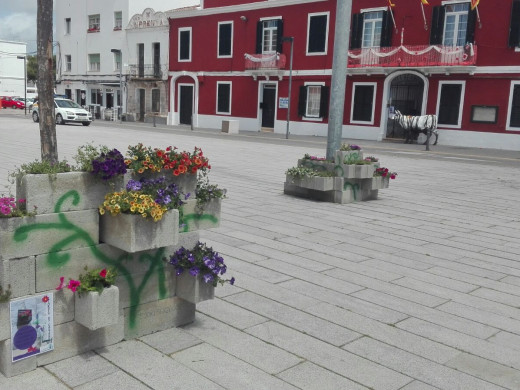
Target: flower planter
193	289
205	216
349	156
380	182
44	191
365	171
312	183
187	182
94	310
133	233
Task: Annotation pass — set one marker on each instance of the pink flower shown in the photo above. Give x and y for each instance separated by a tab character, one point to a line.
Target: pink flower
61	283
73	285
392	176
103	273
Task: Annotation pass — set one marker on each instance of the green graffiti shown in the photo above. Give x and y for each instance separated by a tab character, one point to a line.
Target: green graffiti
193	218
57	258
316	167
353	186
351	158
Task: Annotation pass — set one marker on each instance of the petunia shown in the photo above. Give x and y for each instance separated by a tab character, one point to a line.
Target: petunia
232	281
73	285
62	279
103	273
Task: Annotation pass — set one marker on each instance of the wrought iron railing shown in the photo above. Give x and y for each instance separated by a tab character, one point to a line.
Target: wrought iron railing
413	56
264	61
145	71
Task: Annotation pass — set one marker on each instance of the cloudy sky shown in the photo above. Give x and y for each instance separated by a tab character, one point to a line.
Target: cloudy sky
18	22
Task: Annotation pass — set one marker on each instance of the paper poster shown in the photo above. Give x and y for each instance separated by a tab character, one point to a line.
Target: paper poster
32	326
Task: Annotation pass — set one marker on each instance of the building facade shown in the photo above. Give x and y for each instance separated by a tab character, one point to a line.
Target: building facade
12	77
113	56
230	60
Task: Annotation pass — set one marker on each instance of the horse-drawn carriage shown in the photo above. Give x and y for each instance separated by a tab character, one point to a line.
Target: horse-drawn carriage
416	128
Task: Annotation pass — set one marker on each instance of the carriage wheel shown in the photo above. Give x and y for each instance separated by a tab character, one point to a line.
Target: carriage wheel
422	137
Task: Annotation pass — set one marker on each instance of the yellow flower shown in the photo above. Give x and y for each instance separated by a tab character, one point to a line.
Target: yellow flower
101	211
135	157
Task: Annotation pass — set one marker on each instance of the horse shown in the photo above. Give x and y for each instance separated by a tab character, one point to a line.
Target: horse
415	125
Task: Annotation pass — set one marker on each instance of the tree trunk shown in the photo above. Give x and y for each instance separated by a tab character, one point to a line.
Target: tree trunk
49	147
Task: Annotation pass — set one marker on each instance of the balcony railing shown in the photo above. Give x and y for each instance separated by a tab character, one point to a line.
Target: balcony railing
147	71
264	61
413	56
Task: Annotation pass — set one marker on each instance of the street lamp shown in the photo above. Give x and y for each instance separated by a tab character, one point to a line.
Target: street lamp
289	39
24	58
120	82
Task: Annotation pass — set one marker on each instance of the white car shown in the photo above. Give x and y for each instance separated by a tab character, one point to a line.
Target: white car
66	111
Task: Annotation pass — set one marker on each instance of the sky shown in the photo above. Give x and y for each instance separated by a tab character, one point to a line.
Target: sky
18	22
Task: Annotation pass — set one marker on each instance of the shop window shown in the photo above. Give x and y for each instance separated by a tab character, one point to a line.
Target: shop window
450	99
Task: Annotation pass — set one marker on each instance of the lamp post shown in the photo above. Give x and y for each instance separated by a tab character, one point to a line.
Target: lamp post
120	82
24	58
289	39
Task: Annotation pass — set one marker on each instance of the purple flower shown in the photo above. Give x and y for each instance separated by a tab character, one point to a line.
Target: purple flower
232	281
208	278
178	271
134	185
194	271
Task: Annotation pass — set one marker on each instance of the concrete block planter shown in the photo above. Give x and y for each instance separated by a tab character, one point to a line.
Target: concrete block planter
44	191
380	182
197	217
349	156
313	183
133	233
187	182
193	289
94	310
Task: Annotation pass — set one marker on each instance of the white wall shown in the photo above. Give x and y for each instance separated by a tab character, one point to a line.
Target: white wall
137	6
12	78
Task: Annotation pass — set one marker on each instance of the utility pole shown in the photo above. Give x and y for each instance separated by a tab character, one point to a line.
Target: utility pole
49	146
339	75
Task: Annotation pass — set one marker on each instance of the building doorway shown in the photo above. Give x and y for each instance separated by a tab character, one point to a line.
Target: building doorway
268	106
142	104
406	95
185	104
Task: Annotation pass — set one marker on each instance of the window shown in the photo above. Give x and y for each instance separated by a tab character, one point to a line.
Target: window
96	96
317	33
450	102
313	101
513	114
117	61
514	28
224	97
363	103
371	28
225	39
93	23
68	63
156	100
269	36
184	44
453	24
94	62
67	26
484	114
118	20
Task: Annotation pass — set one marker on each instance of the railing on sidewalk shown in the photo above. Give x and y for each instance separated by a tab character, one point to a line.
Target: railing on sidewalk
153	71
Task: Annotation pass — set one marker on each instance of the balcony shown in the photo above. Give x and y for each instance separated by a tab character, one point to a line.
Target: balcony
418	56
266	65
145	71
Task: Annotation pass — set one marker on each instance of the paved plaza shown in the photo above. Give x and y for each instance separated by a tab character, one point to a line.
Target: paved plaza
418	290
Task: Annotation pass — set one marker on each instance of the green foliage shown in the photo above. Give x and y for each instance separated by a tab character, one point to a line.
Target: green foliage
32	68
348	147
93	280
205	191
86	153
5	295
301	172
39	167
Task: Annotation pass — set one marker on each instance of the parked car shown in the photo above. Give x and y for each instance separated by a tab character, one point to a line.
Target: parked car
66	110
27	102
8	101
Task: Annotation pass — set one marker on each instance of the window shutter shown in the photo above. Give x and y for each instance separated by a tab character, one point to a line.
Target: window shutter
436	32
324	102
302	102
259	32
514	28
470	31
279	35
357	31
387	27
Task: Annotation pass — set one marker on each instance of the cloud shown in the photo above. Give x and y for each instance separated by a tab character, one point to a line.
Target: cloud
19	27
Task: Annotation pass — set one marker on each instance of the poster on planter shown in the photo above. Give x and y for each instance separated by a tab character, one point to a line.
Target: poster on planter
32	326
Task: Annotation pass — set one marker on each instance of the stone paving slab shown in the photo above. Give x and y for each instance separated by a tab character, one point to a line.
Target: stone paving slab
429	272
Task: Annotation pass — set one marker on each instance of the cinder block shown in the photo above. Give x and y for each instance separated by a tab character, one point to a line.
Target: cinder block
5	323
348	156
44	191
97	310
159	315
344	197
47	231
150	291
7	367
21	276
71	339
230	126
63	305
205	216
193	289
186	240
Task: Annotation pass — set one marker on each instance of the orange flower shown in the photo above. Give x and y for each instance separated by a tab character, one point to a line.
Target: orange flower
183	169
141	170
176	172
198	161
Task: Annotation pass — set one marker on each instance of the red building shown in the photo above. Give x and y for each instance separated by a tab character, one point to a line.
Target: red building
229	61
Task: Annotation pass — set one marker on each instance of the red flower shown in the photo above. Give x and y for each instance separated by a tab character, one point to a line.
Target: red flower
73	285
176	172
392	176
45	299
61	283
103	273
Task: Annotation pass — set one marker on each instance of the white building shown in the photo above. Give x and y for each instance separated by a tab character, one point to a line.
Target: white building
100	39
12	72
